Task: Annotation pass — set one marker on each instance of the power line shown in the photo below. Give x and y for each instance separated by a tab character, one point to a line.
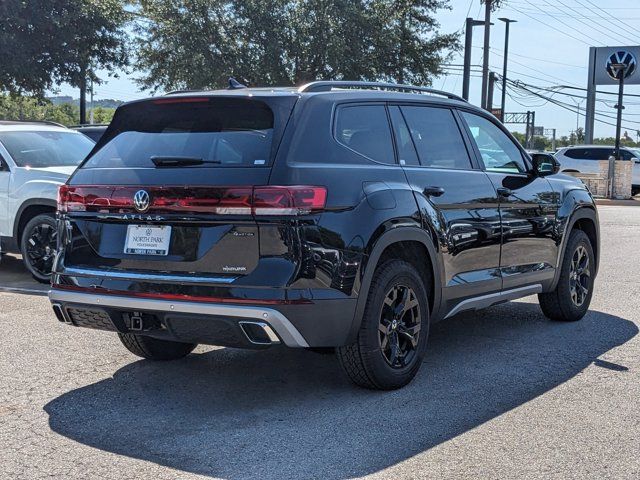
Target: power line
598	27
633	30
566	106
568	26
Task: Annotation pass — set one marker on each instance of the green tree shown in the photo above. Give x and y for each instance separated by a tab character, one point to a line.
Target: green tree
15	107
103	114
200	43
43	43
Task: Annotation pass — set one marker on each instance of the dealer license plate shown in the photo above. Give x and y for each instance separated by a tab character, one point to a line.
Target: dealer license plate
147	240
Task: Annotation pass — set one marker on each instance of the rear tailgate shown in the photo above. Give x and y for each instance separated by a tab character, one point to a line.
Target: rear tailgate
169	188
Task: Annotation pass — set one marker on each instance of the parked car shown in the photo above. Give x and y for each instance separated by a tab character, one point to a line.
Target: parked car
93	131
35	158
341	215
584	159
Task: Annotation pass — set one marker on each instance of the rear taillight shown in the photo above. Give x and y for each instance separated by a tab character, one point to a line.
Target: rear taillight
259	201
293	200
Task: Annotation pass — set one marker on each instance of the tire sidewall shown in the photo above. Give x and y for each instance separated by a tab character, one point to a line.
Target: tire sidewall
578	238
44	218
393	273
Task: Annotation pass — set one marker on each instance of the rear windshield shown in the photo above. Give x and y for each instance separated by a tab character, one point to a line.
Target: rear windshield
46	148
219	132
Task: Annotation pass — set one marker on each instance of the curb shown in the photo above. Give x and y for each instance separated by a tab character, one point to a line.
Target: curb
632	202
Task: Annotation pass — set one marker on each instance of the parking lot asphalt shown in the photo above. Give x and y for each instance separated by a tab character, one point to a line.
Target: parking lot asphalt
15	278
503	393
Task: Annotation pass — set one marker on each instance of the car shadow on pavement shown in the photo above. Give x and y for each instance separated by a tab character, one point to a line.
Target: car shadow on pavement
285	413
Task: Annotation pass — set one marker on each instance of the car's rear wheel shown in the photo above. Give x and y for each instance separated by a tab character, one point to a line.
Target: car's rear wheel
38	246
571	298
392	340
154	348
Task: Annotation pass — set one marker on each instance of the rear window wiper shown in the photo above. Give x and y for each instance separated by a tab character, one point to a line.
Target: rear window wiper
163	161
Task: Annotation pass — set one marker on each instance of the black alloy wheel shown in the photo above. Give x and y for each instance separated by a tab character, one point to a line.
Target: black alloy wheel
392	339
399	328
38	246
579	276
569	300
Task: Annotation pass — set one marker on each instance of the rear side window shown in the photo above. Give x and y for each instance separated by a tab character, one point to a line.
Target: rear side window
576	153
589	153
601	153
221	132
365	130
437	138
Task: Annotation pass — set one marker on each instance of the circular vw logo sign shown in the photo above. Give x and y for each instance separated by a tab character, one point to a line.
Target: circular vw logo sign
141	200
624	57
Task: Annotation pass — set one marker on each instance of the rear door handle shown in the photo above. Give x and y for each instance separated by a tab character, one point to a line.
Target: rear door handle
433	191
504	192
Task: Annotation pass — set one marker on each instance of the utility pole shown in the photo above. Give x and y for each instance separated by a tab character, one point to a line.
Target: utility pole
531	123
507	21
83	95
492	82
468	42
91	103
485	55
590	109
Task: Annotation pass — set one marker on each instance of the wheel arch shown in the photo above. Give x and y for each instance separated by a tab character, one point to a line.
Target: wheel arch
583	218
29	209
409	243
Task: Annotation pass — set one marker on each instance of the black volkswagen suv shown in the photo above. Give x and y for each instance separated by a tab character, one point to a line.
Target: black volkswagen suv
340	215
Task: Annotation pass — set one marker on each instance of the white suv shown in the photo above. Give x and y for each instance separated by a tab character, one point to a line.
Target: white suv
35	159
584	159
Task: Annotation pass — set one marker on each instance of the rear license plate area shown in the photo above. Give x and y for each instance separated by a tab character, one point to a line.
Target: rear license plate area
147	240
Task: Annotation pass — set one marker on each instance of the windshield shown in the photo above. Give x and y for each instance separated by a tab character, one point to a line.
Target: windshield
198	132
46	148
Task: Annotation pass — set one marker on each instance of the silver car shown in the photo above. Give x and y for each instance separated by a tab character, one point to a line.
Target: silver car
584	159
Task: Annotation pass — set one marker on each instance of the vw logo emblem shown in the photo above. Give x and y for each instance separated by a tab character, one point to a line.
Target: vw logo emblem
621	56
141	200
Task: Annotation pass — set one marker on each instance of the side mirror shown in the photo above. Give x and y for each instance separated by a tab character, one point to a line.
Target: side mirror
545	164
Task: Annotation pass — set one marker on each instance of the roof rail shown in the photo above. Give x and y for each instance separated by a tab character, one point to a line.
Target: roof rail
328	85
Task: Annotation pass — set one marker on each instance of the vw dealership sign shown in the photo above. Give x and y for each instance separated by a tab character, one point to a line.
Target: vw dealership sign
621	57
605	57
603	72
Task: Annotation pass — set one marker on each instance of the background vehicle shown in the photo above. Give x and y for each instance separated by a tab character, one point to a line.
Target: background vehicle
325	217
35	158
584	159
94	132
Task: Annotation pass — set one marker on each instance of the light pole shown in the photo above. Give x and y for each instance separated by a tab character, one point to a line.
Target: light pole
619	68
468	41
485	56
507	21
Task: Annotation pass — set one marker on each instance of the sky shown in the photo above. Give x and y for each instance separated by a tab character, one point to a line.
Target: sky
548	46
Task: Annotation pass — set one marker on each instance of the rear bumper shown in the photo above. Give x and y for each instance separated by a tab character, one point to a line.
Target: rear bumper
322	323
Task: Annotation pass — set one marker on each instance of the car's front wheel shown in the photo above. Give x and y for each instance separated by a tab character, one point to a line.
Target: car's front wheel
38	246
571	298
392	340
